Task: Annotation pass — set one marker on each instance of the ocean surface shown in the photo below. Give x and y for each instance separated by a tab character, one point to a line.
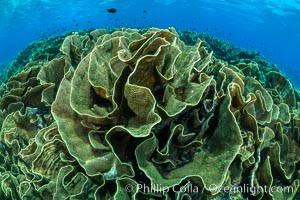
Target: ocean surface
270	27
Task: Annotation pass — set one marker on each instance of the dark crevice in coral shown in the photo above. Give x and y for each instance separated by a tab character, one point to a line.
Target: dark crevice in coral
245	179
297	166
158	88
119	98
158	92
236	170
163	134
213	123
75	56
126	112
130	156
99	101
109	190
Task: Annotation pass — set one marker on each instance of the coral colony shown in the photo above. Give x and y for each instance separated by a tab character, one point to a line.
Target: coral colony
147	114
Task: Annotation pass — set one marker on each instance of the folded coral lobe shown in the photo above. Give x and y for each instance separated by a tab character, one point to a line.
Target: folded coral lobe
149	114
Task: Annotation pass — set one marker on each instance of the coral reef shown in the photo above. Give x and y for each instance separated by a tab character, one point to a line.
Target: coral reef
141	114
37	52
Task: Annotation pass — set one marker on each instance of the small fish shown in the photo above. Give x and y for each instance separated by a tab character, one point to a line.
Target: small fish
39	127
33	110
112	10
3	147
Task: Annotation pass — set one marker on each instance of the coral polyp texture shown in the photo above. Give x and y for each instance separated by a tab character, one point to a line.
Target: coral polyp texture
141	114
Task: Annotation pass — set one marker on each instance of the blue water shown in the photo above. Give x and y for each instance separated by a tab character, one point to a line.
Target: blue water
268	26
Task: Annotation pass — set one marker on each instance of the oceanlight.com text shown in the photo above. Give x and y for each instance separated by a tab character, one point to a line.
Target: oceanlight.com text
252	190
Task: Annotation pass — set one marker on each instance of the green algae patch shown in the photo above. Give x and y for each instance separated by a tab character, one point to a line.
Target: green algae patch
147	114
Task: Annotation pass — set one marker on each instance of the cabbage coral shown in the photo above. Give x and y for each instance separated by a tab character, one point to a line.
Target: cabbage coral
134	114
